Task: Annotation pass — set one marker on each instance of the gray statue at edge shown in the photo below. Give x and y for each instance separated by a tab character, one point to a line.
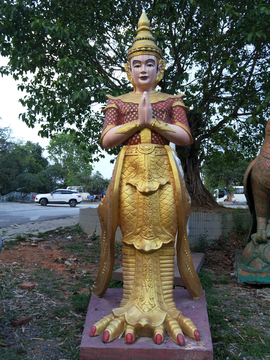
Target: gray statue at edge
257	190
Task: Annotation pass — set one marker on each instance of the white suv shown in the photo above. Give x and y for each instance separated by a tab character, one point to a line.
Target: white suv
60	196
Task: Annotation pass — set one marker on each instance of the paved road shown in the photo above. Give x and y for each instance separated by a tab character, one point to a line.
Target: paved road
18	213
234	206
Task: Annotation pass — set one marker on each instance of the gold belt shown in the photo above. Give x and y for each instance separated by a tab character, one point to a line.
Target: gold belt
146	149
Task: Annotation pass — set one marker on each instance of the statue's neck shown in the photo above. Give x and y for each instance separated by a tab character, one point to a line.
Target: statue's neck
265	149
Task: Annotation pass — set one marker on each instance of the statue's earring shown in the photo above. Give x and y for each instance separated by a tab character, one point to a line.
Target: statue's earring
159	77
129	76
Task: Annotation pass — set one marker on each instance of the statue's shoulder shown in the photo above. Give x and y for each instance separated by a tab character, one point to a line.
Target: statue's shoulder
155	97
160	96
125	97
176	100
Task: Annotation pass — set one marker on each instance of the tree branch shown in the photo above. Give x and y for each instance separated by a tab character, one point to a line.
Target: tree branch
234	114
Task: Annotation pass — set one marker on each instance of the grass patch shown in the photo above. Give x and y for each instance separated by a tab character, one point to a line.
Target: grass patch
78	229
15	354
74	247
223	279
60	300
42	235
83	282
253	343
58	303
115	284
7	245
61	311
203	243
206	280
245	311
20	237
45	275
232	335
94	236
80	302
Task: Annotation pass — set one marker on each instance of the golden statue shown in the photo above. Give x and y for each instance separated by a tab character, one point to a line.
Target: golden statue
148	200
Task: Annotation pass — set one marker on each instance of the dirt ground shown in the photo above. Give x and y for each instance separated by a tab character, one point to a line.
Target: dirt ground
63	264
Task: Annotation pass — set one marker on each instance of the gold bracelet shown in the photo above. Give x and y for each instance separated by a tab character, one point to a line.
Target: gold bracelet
156	125
129	128
152	123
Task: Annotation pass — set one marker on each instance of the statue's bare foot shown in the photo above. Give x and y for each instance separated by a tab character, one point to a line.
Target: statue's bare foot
112	327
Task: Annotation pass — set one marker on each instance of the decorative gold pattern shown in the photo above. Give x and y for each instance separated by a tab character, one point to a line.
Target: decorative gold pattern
184	261
109	106
179	103
146	136
154	97
109	220
148	222
129	128
144	42
159	125
162	65
162	111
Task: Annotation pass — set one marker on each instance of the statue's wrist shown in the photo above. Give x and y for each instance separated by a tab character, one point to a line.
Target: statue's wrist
157	125
153	123
129	128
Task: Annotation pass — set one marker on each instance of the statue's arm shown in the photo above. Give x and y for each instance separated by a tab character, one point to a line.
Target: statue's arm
176	134
113	139
179	124
119	134
114	134
177	131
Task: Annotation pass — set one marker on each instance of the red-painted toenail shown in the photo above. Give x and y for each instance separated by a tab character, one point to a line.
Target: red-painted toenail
197	335
180	339
93	331
106	336
129	338
158	339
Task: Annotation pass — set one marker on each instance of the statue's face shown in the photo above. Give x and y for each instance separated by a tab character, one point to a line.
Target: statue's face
144	70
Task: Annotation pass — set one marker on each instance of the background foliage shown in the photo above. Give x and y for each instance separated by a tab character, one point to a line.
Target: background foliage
69	54
24	168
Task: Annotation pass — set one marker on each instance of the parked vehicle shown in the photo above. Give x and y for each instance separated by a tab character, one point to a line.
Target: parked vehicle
81	190
220	195
59	196
238	195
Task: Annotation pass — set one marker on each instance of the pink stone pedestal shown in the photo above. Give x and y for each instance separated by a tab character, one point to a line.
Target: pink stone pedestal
198	259
145	348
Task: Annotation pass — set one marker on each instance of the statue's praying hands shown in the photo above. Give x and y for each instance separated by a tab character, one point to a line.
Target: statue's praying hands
145	114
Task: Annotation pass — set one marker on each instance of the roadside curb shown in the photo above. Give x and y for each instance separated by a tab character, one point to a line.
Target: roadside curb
10	233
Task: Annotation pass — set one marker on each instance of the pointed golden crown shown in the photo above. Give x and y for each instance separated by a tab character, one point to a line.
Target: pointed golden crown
144	43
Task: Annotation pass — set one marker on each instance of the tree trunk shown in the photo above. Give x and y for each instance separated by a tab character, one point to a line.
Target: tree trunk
200	196
229	196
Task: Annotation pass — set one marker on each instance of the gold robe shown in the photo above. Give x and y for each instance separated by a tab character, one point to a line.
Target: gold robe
147	198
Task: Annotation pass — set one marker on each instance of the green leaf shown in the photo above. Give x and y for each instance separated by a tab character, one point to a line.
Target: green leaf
68	55
76	95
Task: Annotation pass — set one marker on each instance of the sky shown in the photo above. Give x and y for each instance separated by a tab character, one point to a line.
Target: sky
10	108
